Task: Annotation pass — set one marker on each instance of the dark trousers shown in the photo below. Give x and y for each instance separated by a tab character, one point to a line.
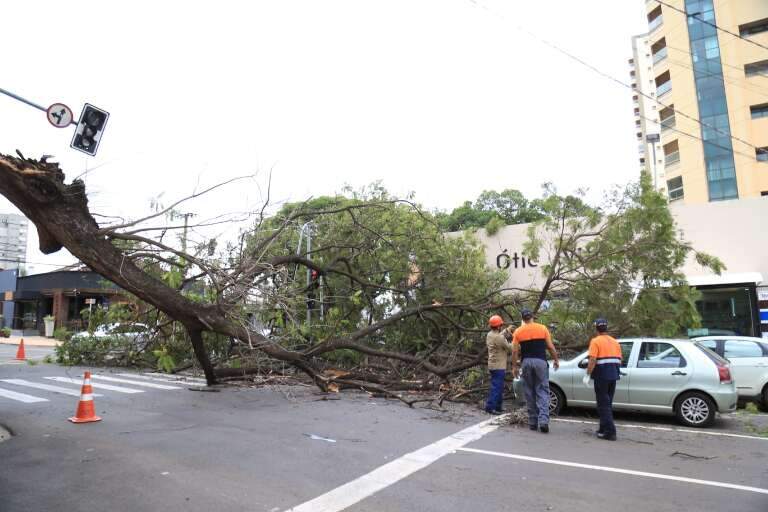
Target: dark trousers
604	391
496	392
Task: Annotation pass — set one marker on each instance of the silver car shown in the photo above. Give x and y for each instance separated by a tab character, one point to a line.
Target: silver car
749	364
675	377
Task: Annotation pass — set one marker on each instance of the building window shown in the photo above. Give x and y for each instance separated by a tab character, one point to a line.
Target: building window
655	19
759	111
762	154
671	153
667	118
663	83
675	188
756	69
659	50
755	27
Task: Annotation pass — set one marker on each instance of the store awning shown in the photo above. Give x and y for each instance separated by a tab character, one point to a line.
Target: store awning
726	279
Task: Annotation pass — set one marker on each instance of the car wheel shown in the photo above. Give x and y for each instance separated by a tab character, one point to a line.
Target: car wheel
556	400
695	409
763	405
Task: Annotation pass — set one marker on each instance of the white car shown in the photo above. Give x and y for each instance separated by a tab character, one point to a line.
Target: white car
749	364
139	333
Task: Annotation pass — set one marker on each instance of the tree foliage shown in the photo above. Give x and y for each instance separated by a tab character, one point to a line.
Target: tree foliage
493	209
621	261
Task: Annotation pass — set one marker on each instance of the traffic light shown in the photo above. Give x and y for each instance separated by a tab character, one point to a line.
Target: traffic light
89	129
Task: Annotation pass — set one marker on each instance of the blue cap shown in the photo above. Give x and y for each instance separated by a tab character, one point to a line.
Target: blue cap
526	314
601	322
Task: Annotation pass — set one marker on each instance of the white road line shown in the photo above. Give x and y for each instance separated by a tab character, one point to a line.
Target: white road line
46	387
126	381
108	387
21	397
388	474
181	377
622	471
668	429
159	379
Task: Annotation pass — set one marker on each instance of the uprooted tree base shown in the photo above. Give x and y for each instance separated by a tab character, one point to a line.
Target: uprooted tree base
125	254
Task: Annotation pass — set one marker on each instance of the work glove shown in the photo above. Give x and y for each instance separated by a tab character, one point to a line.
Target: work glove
587	380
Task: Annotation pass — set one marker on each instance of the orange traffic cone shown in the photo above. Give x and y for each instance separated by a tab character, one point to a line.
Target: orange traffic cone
86	412
21	355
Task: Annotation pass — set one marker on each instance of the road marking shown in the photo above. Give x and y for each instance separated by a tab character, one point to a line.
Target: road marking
126	381
668	429
21	397
46	387
158	379
391	473
619	470
108	387
181	377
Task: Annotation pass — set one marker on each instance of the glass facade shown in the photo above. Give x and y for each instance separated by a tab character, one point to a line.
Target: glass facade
713	108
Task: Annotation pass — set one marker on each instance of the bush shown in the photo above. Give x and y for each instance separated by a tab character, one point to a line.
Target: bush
62	334
5	332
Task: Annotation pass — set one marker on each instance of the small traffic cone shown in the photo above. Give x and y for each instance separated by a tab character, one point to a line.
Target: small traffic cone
86	412
21	355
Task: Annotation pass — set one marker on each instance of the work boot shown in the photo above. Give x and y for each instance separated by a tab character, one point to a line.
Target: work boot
492	412
533	427
544	429
606	437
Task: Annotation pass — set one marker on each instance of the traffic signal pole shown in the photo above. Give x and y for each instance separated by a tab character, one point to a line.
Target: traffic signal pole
27	102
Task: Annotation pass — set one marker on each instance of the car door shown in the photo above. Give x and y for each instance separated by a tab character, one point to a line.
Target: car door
748	365
586	394
658	374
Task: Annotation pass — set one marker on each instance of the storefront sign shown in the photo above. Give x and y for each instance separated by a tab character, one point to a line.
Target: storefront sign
762	294
505	261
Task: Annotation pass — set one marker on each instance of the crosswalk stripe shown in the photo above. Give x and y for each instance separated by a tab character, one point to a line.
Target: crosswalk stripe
21	397
153	379
181	377
46	387
126	381
108	387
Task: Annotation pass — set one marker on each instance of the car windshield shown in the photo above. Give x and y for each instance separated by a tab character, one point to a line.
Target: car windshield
127	328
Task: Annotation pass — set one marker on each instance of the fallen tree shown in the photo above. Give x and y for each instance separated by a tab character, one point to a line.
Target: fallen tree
380	280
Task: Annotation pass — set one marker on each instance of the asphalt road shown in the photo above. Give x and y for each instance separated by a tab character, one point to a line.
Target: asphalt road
252	449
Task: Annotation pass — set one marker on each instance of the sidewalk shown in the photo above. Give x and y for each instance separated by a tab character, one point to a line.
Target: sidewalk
30	341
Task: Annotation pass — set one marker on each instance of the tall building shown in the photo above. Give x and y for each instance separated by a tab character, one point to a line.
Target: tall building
704	92
13	240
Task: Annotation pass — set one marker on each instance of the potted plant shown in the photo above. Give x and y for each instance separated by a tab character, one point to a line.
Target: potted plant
49	322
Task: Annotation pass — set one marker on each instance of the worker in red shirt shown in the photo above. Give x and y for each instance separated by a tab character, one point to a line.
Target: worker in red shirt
605	367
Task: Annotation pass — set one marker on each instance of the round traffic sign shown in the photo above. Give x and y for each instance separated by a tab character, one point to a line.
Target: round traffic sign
59	115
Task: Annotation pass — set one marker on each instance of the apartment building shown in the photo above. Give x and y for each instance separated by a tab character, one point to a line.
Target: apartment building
13	240
700	96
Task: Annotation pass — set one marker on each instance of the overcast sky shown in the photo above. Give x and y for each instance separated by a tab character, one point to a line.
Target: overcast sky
441	97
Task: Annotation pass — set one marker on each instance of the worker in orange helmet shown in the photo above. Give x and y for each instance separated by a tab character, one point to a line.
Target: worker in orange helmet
498	353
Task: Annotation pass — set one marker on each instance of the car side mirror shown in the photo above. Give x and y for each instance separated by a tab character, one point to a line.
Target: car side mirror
584	363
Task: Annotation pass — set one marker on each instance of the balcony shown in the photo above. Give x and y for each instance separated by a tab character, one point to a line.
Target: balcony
671	159
668	123
655	23
660	55
663	88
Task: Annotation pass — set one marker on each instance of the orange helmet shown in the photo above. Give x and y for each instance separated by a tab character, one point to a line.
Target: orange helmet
495	321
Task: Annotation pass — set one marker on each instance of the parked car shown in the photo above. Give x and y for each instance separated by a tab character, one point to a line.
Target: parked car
136	332
660	376
749	364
